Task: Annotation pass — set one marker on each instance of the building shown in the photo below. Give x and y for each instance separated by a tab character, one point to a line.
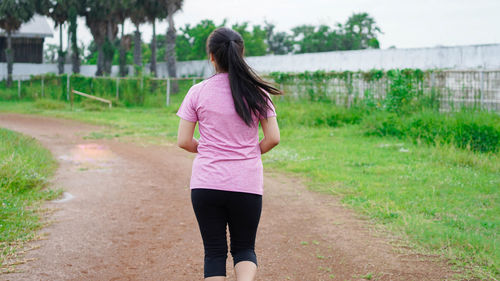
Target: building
27	42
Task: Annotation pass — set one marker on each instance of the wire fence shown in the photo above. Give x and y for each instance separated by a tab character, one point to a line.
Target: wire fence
450	89
127	90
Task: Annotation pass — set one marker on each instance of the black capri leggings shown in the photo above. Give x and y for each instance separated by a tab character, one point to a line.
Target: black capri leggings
216	209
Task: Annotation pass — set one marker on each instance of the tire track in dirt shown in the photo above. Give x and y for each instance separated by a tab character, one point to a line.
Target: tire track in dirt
131	219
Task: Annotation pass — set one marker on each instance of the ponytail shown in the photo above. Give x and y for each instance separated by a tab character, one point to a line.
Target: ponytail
249	91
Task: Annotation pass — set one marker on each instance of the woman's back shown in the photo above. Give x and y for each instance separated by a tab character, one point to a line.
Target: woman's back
229	157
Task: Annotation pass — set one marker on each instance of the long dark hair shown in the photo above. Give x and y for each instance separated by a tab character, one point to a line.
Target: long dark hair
247	88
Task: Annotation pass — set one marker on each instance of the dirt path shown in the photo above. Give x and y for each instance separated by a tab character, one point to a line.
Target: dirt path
131	219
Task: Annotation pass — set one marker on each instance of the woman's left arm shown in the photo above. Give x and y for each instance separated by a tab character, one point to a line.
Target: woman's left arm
185	134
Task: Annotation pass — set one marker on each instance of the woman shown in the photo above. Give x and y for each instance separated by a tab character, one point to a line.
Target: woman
227	180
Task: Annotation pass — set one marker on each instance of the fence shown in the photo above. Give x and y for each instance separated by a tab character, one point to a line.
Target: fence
126	90
448	89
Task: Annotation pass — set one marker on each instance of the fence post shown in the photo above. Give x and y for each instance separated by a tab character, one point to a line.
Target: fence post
194	81
117	88
481	87
43	92
19	87
168	92
67	86
142	82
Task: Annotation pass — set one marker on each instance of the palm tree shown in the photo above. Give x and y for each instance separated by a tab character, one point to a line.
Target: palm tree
138	17
12	14
123	11
57	10
76	8
153	11
172	6
103	24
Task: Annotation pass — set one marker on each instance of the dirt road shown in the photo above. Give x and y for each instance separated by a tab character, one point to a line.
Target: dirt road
127	216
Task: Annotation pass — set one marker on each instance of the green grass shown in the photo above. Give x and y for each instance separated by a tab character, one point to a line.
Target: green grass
25	167
443	199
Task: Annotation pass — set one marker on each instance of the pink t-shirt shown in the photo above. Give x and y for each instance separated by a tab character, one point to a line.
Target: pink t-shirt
229	155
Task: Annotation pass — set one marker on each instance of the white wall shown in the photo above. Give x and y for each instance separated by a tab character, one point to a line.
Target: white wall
460	57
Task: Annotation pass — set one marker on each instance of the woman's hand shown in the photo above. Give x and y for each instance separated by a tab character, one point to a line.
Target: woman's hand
185	134
271	134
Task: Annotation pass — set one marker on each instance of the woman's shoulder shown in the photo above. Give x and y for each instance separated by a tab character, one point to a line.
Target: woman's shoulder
208	83
196	88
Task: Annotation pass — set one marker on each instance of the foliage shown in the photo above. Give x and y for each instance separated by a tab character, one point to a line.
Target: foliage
50	53
191	42
475	131
278	43
400	97
15	12
312	39
255	40
317	114
25	167
359	32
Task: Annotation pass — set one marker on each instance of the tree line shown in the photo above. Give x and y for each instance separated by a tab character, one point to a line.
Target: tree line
358	32
103	18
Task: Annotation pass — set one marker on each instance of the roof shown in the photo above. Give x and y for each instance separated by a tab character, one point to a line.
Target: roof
37	27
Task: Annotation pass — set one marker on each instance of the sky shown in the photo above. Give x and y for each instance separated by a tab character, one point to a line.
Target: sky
404	23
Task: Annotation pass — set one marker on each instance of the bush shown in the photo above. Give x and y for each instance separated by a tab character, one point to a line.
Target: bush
382	123
318	114
476	131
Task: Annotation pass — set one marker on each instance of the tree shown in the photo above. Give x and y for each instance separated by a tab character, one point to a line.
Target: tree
102	21
255	40
50	53
360	32
191	43
75	52
172	6
153	11
57	10
278	43
75	8
138	17
12	14
311	39
122	12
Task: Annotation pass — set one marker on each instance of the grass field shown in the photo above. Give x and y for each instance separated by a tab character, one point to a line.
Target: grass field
25	167
442	199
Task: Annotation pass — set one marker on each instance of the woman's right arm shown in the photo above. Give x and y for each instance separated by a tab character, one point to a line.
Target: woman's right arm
185	134
271	134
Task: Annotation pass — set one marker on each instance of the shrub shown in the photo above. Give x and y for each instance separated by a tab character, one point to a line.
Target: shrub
382	123
318	114
476	131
